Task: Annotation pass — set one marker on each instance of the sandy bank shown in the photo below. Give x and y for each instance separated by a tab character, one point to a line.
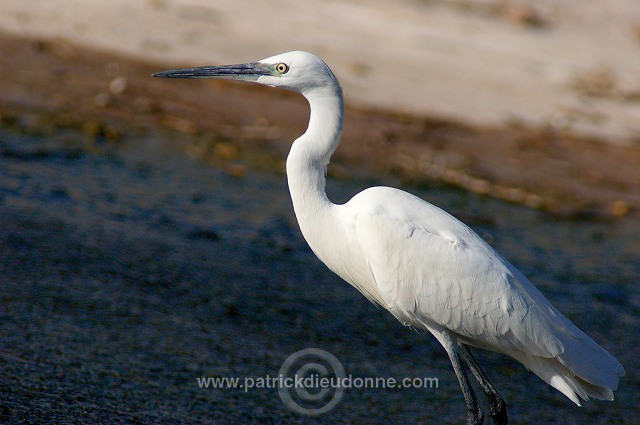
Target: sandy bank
570	65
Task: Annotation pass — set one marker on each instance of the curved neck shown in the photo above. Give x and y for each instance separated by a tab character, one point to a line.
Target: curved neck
310	154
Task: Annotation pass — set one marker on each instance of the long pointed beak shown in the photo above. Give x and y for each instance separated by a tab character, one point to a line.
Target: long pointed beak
246	71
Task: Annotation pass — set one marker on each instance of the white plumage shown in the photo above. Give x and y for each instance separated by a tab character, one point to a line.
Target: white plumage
432	271
426	267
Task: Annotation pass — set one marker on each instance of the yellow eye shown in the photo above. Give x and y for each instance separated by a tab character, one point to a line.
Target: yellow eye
282	68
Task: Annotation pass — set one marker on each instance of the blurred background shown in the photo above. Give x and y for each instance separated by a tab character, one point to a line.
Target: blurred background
147	236
559	63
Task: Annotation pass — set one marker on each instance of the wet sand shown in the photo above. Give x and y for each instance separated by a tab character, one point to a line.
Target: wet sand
148	240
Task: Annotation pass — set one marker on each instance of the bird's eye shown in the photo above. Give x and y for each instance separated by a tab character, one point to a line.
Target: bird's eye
282	68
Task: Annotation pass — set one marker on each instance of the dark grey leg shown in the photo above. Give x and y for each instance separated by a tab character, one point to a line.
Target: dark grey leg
474	413
497	406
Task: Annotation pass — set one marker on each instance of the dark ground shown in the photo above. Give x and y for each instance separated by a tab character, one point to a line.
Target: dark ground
136	257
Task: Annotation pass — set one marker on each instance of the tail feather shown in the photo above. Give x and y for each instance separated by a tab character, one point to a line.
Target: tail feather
581	369
554	372
589	362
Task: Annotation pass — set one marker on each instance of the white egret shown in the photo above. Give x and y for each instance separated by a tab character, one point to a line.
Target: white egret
426	267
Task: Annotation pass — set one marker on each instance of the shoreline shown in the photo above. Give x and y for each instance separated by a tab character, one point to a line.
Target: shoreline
482	62
53	83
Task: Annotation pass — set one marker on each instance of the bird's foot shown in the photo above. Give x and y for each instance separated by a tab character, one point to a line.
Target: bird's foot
499	412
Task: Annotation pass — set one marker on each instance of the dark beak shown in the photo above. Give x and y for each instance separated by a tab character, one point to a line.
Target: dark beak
245	71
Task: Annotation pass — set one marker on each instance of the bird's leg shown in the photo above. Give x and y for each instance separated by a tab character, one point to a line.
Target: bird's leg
474	413
497	406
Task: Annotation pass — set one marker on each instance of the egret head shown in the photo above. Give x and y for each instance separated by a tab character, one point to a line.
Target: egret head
297	71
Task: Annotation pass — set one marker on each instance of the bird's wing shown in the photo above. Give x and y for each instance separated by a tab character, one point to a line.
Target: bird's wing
430	267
